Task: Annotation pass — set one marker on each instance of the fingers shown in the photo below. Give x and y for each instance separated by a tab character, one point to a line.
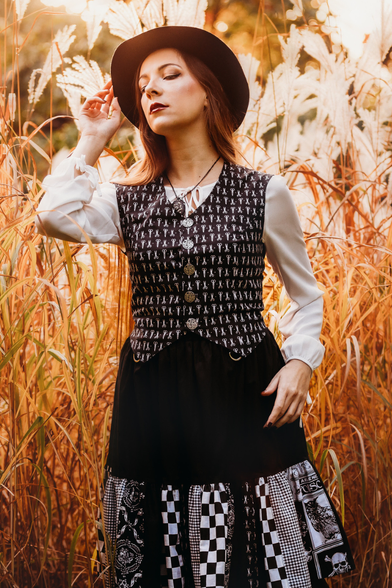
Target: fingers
279	408
110	101
292	414
102	100
107	90
292	385
272	386
287	408
95	102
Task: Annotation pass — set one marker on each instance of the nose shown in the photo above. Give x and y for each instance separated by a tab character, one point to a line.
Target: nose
152	88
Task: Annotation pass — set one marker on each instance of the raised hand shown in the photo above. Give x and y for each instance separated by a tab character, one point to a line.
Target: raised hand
94	118
97	128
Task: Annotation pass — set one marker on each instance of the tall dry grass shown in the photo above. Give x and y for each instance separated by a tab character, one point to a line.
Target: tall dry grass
65	309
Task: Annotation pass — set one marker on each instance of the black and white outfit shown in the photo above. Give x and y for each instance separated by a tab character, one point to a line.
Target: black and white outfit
198	493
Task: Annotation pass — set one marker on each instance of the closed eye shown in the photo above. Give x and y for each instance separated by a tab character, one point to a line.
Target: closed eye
171	76
168	77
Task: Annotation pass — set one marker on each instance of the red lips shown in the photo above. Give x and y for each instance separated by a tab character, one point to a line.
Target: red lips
156	106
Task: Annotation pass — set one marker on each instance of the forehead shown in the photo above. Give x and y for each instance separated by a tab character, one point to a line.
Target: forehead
158	58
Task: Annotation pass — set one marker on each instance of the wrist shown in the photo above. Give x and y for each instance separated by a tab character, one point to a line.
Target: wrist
91	147
295	362
93	138
95	142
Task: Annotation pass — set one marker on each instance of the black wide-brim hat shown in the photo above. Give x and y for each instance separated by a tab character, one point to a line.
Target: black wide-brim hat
207	47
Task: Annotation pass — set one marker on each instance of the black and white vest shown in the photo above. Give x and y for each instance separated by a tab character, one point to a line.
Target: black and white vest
202	273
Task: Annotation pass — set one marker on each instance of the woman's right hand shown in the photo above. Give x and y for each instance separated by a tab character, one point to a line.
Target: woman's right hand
94	121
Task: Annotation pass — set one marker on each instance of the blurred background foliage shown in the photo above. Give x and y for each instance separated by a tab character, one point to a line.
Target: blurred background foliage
320	115
247	27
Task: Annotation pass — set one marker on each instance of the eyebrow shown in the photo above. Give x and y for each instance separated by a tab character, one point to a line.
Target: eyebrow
160	68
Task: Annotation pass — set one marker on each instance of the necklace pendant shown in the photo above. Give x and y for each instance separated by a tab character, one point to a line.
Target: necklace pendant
179	206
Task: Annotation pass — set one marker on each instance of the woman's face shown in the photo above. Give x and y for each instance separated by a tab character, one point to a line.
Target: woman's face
171	97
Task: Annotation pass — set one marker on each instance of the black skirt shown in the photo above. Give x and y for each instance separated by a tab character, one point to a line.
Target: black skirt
198	493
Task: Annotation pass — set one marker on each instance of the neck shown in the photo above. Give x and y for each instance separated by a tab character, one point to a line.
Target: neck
191	155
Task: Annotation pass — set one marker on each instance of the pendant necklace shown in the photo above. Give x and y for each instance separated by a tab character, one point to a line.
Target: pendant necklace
179	202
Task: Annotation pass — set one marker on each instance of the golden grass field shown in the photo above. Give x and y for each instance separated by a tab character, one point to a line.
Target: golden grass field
65	312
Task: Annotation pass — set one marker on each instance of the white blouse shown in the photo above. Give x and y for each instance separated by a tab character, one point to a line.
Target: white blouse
74	202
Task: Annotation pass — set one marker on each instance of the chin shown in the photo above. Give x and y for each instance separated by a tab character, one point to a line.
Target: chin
164	129
170	128
160	127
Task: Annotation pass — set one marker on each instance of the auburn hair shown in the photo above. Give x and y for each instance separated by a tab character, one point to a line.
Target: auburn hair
221	124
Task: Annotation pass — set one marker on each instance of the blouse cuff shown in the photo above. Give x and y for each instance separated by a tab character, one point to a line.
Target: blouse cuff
91	172
305	348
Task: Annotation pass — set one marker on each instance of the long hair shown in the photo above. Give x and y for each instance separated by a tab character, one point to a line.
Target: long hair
219	119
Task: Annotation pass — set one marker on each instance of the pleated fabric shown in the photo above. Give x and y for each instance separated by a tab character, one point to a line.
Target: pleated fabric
193	415
274	547
198	494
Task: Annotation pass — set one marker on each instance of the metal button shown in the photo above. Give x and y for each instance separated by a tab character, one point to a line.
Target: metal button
192	323
187	222
190	296
187	243
189	269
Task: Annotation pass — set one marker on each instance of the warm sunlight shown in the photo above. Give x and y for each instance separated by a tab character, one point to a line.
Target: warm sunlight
319	127
356	19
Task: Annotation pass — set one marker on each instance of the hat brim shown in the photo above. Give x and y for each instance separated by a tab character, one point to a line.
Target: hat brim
207	47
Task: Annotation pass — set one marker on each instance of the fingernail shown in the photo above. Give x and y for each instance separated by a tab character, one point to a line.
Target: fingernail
270	425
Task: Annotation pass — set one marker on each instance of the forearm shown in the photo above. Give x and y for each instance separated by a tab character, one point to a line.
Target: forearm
91	147
300	328
286	251
76	206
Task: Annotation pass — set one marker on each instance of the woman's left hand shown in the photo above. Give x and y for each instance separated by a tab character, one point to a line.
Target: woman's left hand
292	385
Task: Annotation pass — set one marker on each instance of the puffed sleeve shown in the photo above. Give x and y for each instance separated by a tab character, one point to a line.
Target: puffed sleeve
81	198
286	252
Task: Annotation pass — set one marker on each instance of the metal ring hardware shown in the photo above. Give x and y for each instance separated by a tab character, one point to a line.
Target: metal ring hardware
234	358
136	360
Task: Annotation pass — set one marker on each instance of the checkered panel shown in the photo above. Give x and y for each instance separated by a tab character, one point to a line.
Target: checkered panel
171	509
287	525
273	558
194	508
213	535
107	526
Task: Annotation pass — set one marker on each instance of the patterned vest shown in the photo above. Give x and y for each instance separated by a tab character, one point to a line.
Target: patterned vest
203	273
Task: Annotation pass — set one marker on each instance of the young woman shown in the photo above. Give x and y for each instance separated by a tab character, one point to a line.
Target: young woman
208	479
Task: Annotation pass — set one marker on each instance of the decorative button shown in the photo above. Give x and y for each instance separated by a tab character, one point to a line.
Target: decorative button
190	296
192	323
187	243
187	222
189	269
